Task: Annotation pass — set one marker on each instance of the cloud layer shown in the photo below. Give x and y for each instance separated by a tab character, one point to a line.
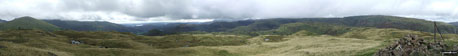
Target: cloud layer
125	11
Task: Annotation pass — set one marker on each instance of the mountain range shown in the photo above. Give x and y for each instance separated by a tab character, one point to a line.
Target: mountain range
91	26
255	27
347	36
250	27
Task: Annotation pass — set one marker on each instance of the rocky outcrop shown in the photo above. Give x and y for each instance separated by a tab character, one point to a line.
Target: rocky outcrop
412	45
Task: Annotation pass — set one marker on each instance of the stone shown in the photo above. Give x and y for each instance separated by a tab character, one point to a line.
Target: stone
266	39
75	42
410	45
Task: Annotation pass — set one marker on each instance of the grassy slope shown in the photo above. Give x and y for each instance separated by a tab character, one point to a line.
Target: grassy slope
381	21
271	26
35	42
303	46
28	23
369	41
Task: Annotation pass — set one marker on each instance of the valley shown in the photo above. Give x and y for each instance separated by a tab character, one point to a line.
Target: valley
349	36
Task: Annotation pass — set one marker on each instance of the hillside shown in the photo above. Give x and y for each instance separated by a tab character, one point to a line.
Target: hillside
91	26
356	42
454	23
161	26
381	21
257	27
28	23
269	37
377	21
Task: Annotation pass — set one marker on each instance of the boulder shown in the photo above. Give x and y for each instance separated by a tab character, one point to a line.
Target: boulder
412	45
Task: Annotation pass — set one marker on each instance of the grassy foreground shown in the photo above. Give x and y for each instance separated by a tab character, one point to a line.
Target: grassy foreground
357	42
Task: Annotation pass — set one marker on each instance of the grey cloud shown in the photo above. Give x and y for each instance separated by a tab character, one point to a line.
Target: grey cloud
170	8
140	10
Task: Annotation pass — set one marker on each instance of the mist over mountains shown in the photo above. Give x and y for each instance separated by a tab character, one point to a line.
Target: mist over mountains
122	11
228	27
99	38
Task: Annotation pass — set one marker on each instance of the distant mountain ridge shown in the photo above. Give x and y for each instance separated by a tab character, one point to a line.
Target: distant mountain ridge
28	23
454	23
91	26
255	27
55	25
270	25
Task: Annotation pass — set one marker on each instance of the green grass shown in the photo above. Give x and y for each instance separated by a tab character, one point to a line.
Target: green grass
355	42
311	37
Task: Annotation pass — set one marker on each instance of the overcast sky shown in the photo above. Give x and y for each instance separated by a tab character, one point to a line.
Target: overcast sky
130	11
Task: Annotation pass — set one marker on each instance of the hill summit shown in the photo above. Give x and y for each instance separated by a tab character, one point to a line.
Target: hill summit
28	23
91	26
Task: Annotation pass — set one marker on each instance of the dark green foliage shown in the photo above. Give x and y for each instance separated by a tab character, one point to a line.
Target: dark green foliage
28	23
91	26
223	26
182	28
116	44
161	26
312	27
204	27
262	25
154	32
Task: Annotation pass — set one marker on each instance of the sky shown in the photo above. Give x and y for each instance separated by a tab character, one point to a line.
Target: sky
139	11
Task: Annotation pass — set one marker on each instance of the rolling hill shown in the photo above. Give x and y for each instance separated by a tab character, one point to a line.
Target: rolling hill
256	27
349	36
381	21
28	23
357	42
91	26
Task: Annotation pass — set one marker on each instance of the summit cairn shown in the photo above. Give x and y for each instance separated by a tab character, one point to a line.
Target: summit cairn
412	45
